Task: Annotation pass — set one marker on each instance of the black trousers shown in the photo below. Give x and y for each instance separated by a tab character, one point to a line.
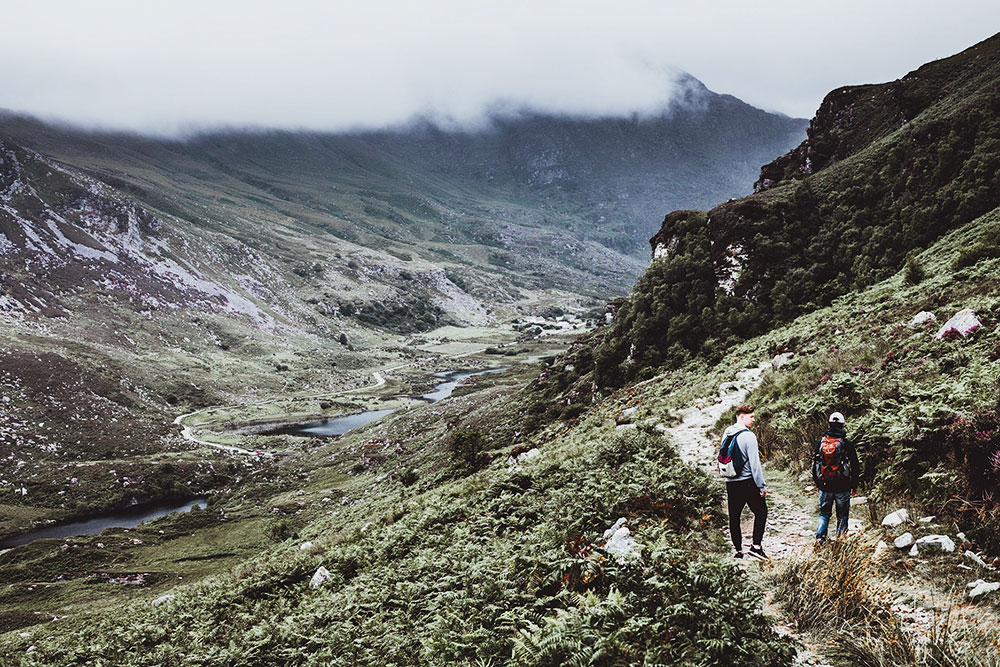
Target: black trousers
739	495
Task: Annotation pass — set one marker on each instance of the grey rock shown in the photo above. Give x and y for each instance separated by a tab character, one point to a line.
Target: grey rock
896	518
940	542
305	546
921	317
964	321
619	542
914	550
163	599
926	519
780	360
905	540
971	555
980	587
321	576
728	388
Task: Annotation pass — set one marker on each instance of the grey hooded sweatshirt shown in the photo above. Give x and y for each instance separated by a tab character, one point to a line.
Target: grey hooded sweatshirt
747	443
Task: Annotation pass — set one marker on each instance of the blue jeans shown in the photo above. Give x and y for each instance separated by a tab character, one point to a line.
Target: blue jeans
826	502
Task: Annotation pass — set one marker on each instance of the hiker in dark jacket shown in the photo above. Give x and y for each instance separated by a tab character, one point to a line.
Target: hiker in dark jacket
835	473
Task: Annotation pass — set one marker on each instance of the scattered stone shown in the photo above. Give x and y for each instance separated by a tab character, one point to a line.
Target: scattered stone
857	501
964	321
855	525
976	559
962	538
163	599
880	549
980	587
905	540
523	456
921	317
628	412
897	518
780	360
926	519
305	546
728	388
941	542
619	541
624	427
321	577
914	551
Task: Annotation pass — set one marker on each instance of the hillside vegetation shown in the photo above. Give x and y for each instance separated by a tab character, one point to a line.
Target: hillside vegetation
553	522
887	169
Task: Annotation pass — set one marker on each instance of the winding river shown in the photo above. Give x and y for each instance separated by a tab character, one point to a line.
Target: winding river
341	425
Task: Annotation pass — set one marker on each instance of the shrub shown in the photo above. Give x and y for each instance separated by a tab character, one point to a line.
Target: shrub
468	447
975	253
913	272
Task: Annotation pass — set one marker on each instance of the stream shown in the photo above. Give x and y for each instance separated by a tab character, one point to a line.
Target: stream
341	425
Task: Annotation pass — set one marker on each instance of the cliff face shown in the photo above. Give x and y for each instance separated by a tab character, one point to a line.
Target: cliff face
854	117
886	169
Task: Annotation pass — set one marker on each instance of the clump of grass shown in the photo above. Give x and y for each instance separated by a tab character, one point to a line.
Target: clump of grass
840	591
840	582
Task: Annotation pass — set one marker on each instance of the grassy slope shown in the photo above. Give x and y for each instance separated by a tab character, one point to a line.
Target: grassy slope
462	565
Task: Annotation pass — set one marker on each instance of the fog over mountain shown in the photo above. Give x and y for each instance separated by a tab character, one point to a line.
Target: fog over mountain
187	66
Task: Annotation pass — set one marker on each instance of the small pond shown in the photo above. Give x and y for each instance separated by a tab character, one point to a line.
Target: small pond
126	518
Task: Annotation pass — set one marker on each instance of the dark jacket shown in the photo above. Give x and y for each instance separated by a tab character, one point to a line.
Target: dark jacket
839	485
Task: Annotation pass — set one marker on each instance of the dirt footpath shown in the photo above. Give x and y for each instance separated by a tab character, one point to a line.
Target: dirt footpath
790	524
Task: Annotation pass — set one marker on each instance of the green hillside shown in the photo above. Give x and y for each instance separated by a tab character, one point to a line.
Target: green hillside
470	558
886	170
554	512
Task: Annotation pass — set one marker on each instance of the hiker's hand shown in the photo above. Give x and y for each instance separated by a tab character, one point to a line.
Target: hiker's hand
763	493
854	492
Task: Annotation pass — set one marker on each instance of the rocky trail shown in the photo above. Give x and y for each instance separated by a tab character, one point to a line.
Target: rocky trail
790	528
791	522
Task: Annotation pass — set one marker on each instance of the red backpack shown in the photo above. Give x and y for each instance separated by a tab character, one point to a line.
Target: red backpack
831	464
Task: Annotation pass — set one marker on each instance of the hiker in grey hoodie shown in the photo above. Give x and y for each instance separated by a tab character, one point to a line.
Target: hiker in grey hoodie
747	487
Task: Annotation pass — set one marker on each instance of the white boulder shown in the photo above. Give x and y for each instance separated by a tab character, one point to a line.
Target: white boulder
914	551
940	542
321	577
619	541
980	587
305	546
903	541
963	321
780	360
897	518
162	600
974	557
921	317
513	461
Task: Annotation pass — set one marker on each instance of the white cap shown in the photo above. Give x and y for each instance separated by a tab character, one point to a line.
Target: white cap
836	417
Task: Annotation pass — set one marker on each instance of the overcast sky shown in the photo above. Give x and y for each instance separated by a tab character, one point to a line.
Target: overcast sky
167	67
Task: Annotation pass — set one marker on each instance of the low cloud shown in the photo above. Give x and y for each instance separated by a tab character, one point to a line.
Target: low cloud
171	68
